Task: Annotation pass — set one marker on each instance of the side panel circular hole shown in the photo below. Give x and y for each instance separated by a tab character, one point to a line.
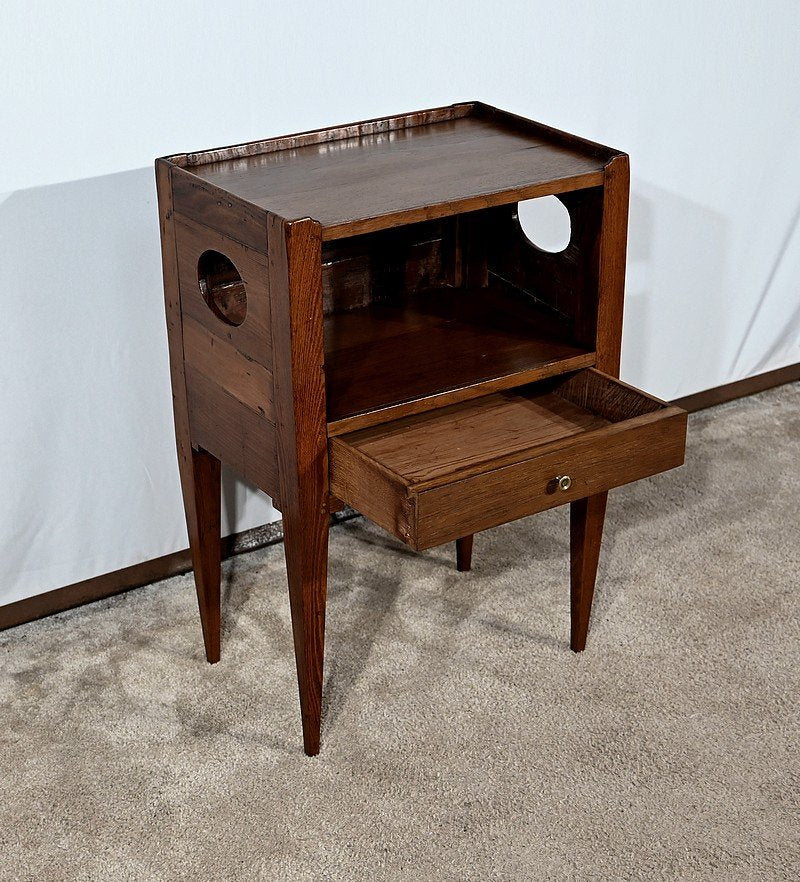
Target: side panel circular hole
545	221
222	287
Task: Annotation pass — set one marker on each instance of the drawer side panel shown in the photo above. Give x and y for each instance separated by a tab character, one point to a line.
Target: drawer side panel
378	494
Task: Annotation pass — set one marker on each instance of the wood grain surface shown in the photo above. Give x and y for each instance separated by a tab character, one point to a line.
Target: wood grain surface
373	327
295	265
441	475
364	177
437	347
199	471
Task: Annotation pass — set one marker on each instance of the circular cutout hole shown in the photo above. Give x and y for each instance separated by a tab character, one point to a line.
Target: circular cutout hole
222	287
545	221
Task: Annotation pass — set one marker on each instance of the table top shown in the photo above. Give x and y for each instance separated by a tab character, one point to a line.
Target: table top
396	170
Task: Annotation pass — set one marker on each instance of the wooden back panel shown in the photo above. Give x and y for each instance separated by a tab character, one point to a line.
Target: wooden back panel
564	281
475	249
386	265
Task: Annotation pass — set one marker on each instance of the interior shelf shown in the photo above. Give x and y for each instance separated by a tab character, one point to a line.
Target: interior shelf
437	347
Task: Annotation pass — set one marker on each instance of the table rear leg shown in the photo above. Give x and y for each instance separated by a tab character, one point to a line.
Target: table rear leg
586	532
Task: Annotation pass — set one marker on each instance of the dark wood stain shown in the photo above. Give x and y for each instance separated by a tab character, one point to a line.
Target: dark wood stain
253	337
358	179
297	333
452	343
373	328
464	553
139	575
234	432
222	363
474	465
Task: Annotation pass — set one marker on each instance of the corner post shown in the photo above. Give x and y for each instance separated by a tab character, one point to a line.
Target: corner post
295	268
199	470
587	516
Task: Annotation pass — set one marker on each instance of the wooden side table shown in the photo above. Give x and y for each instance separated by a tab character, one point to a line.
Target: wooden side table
356	317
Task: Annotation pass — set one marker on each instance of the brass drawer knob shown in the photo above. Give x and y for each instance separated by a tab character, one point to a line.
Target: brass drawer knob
564	482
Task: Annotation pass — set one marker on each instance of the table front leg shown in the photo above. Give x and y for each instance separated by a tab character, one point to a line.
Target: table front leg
306	549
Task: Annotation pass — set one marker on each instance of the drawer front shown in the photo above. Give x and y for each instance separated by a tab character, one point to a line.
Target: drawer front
594	462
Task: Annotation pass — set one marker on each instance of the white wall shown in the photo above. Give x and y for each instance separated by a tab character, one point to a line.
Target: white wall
703	96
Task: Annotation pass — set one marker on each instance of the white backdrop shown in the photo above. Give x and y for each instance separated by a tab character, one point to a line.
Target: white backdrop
703	96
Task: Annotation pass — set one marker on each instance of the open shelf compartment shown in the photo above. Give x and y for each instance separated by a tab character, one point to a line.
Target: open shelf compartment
436	346
425	315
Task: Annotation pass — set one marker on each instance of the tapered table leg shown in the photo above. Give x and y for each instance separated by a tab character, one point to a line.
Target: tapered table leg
586	532
306	549
201	490
464	554
295	250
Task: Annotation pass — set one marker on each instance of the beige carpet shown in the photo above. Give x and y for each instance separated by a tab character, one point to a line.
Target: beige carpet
462	739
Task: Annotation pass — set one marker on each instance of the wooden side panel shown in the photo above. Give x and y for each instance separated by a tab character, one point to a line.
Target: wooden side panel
228	367
212	207
477	245
233	432
253	337
603	459
378	494
199	470
219	361
567	281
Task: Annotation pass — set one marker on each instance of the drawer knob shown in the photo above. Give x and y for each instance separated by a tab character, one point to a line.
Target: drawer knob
564	482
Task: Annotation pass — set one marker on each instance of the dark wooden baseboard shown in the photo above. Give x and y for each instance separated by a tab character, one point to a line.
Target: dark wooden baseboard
60	599
109	584
739	389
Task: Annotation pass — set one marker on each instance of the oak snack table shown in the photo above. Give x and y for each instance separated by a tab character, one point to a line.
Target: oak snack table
356	317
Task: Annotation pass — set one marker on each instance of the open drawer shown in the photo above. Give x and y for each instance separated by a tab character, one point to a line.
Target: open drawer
437	476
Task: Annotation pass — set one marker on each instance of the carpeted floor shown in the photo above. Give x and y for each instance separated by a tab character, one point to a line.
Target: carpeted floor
462	740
